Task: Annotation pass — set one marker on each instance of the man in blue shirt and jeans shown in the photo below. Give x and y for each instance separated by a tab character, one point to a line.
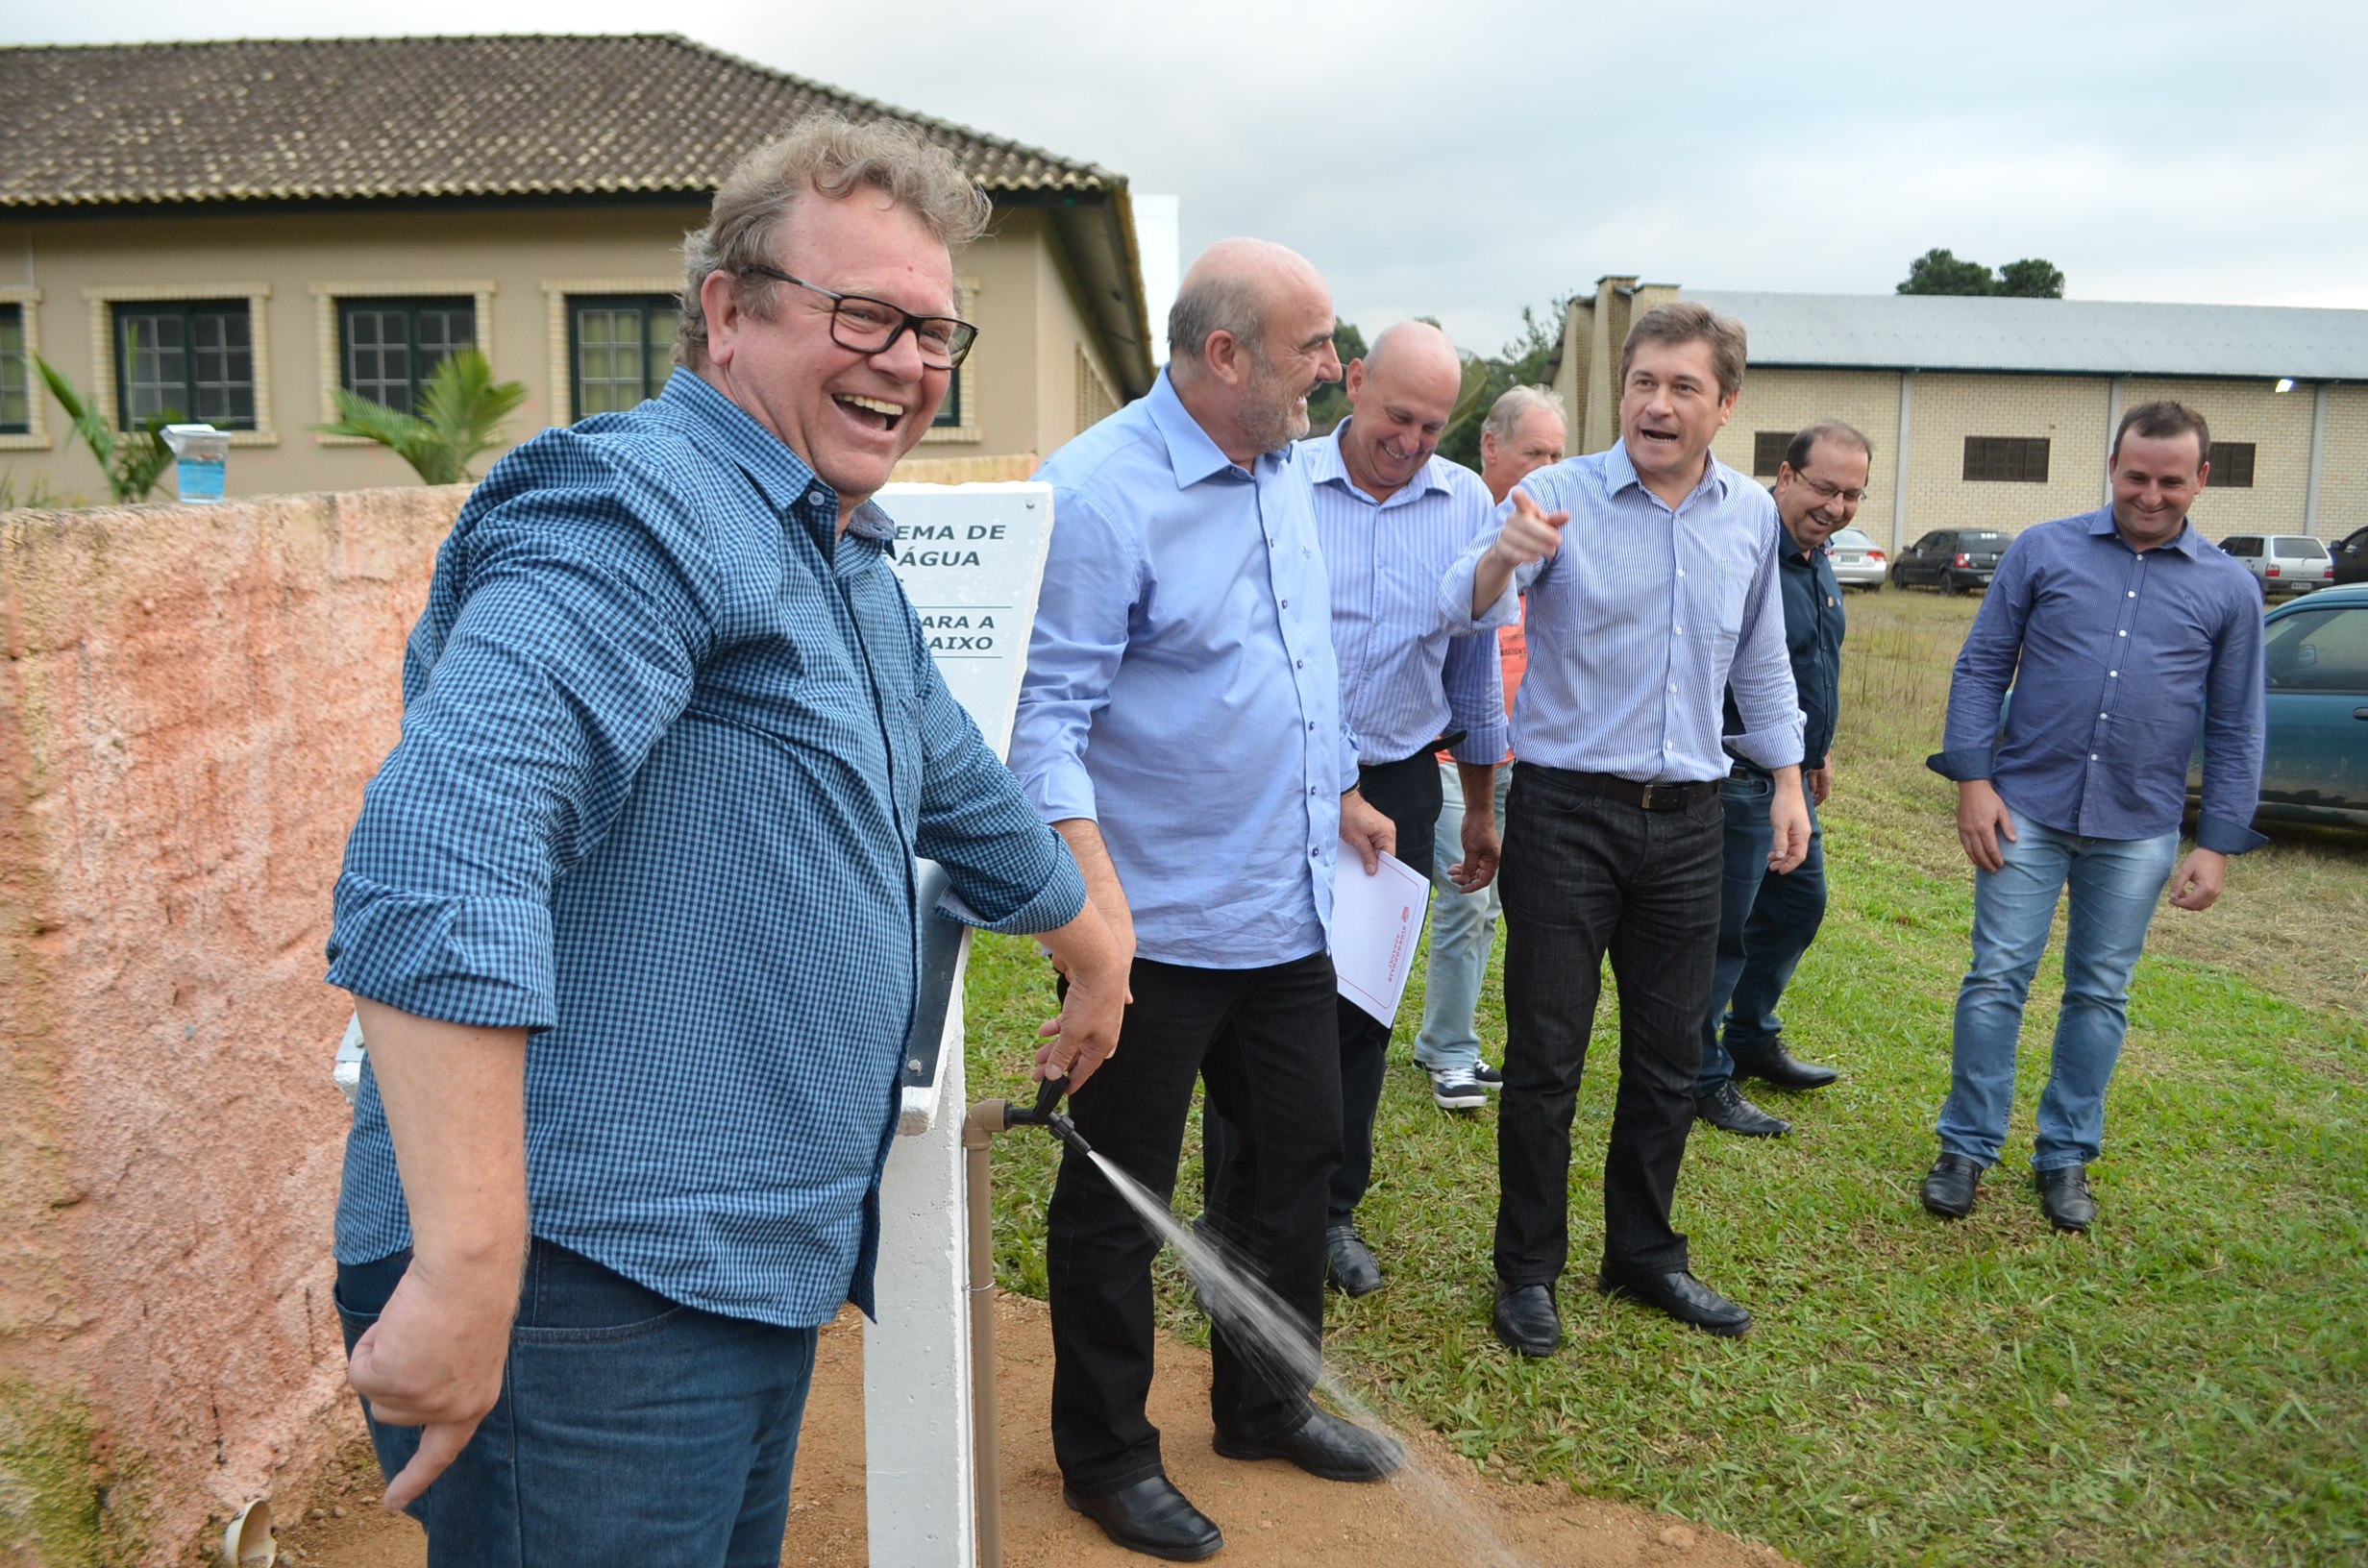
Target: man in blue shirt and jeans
2130	630
630	912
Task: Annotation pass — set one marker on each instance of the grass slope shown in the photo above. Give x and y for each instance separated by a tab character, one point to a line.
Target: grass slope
2188	1385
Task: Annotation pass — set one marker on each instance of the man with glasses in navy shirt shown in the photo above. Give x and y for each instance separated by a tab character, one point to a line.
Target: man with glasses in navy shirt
1767	923
2122	631
630	912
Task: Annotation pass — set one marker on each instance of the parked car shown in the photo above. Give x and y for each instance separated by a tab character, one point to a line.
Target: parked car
2283	563
2316	765
1858	562
1951	559
2350	553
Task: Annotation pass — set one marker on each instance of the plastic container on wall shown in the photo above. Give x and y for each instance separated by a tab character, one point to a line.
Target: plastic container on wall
203	454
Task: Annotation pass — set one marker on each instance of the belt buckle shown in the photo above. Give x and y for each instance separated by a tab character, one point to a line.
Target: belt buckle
1645	802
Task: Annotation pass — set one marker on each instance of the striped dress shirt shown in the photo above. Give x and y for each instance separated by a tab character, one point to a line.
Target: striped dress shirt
1405	678
1640	621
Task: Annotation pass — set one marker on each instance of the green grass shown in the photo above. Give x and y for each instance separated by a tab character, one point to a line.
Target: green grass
2188	1385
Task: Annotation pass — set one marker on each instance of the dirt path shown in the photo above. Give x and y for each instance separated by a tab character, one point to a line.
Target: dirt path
1271	1513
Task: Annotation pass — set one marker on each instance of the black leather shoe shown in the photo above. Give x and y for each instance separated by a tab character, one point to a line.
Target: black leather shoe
1777	1066
1725	1106
1950	1186
1682	1297
1348	1264
1526	1320
2064	1197
1327	1446
1151	1517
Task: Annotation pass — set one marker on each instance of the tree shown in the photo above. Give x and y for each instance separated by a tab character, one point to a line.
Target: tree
1941	272
2031	278
462	409
1521	362
133	461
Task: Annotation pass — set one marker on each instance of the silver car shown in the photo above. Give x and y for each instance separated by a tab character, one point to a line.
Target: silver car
2283	563
1858	562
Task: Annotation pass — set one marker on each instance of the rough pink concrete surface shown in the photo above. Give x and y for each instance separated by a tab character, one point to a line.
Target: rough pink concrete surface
190	702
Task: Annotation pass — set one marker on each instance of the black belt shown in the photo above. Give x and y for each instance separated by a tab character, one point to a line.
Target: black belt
1643	797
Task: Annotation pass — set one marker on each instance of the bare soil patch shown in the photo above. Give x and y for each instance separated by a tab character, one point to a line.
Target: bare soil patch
1271	1513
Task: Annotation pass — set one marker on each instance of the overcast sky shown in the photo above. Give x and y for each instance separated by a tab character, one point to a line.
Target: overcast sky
1464	160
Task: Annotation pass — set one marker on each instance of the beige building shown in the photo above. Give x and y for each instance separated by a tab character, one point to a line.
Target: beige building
1996	413
230	230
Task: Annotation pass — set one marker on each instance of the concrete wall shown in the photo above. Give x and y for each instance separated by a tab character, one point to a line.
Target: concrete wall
519	266
190	701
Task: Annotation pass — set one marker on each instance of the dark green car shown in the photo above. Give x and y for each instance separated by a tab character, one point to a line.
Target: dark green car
2316	765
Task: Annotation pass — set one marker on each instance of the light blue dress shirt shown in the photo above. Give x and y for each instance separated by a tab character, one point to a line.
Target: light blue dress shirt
2157	643
1405	680
1642	621
1181	690
670	745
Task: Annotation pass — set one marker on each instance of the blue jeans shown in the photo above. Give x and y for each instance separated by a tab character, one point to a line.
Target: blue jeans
1463	929
2115	884
1765	923
630	1429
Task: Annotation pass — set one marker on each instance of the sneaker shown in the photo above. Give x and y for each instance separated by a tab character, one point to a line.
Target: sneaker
1490	1078
1457	1088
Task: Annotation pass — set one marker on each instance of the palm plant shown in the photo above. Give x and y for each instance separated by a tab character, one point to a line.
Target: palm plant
133	461
461	407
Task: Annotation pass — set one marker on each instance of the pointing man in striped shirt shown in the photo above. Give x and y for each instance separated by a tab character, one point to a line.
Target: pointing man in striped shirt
1393	518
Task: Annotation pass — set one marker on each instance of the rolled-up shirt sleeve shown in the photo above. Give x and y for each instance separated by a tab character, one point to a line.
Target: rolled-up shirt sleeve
1474	677
575	642
1985	668
1092	578
1010	871
1455	589
2233	724
1761	676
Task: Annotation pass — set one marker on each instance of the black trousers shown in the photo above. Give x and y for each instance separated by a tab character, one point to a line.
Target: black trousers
1583	876
1263	1042
1408	792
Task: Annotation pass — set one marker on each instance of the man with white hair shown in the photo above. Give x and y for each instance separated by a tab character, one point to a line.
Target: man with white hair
1180	725
1391	517
1523	432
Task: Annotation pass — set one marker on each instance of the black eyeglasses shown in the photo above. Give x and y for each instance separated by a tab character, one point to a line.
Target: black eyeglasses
870	325
1833	492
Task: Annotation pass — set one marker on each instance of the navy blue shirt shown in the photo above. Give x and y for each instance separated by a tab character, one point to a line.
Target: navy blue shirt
670	745
1814	628
2122	654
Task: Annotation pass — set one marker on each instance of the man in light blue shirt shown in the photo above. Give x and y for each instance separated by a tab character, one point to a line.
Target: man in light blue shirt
1180	725
1651	577
1392	516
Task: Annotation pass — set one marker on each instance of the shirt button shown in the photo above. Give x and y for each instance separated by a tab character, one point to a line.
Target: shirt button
2114	673
2131	594
1311	729
1286	604
1681	631
1681	571
1314	854
1302	664
1673	685
2121	634
2099	716
2093	756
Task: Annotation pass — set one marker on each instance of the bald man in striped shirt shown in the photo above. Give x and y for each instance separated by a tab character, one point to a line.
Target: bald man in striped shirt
1392	517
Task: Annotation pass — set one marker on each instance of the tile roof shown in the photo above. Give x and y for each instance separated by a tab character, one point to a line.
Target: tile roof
361	118
2096	337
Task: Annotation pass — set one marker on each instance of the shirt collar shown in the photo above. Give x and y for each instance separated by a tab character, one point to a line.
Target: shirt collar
729	432
2187	541
1326	463
1619	472
1189	452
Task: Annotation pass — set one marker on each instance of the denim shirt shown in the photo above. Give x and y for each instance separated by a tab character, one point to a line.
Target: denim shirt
2117	657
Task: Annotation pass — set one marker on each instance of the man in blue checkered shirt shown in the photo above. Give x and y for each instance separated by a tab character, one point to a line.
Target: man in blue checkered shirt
630	912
